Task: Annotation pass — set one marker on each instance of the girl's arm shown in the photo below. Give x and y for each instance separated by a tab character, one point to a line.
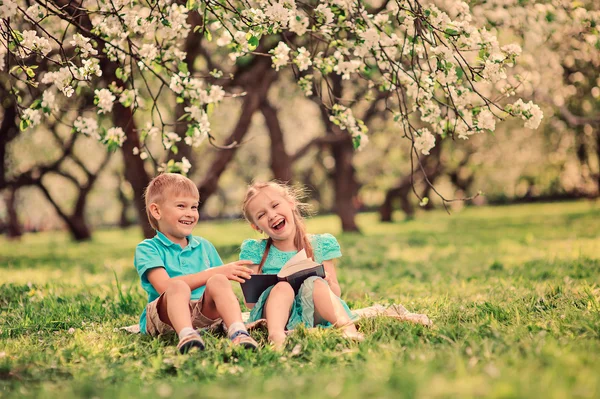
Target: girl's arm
331	277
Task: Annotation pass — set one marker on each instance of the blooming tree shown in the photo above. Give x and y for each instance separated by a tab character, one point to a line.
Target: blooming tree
559	68
437	73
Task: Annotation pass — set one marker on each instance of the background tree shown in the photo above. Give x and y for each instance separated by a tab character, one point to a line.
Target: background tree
135	58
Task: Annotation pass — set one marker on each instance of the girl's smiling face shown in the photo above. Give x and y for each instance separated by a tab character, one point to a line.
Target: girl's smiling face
273	214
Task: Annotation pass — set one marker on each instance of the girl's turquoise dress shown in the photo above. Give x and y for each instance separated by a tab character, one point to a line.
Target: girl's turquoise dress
325	247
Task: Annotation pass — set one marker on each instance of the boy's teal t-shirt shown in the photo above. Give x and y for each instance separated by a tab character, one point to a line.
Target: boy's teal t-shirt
159	251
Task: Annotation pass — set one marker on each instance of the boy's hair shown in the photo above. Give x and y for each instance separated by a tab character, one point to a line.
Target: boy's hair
295	196
164	185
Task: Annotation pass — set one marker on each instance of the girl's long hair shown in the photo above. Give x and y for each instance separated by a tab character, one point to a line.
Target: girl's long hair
292	194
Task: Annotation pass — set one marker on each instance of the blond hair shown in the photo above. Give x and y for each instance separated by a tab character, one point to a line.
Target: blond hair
292	194
163	186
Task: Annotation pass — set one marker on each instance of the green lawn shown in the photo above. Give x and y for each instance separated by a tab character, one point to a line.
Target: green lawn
513	292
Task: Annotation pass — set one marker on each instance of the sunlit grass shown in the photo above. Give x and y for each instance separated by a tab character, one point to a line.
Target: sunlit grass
513	292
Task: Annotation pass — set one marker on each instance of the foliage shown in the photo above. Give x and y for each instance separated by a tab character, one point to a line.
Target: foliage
422	62
512	291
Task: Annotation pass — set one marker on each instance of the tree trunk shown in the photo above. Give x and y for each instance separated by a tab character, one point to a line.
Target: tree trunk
345	184
433	168
344	176
402	192
8	131
281	164
183	150
252	101
125	203
135	173
75	223
598	161
79	228
13	227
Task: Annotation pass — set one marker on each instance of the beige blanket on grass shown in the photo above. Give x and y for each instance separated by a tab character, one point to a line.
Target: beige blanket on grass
395	311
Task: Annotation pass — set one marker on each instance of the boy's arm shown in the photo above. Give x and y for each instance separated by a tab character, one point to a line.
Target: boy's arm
331	277
235	271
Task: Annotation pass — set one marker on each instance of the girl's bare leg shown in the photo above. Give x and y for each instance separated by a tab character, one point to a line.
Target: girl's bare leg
328	307
277	312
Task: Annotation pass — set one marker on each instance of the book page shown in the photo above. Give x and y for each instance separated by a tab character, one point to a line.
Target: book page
297	263
300	256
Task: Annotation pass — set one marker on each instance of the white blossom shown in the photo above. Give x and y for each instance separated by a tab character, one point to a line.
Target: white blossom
83	44
148	52
424	141
325	12
303	59
62	79
33	116
298	24
49	101
280	55
87	126
32	43
486	120
90	69
530	112
169	139
8	8
105	100
115	135
216	94
277	13
225	39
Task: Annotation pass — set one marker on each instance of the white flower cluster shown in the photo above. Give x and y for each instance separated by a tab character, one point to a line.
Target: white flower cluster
303	59
169	139
83	45
424	141
32	43
281	55
115	136
8	8
87	126
32	116
529	112
343	117
182	166
199	130
196	90
105	100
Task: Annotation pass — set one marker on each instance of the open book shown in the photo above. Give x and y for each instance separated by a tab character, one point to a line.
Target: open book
295	271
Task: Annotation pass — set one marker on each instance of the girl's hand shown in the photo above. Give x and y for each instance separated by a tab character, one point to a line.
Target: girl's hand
329	279
236	271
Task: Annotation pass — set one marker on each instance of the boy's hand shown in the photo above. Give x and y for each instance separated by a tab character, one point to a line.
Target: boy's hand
236	271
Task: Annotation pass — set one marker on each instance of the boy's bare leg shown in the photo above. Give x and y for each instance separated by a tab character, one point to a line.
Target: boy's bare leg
328	307
174	306
277	312
220	301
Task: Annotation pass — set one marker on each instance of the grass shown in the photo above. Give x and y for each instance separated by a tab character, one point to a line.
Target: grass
513	292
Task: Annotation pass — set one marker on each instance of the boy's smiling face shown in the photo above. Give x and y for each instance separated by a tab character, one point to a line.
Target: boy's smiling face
177	215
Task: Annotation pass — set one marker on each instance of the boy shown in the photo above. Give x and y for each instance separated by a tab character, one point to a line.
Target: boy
188	285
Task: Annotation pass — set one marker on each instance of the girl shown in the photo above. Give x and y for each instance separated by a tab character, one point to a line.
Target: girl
274	209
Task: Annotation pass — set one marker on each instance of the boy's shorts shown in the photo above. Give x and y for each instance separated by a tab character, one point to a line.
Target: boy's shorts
155	326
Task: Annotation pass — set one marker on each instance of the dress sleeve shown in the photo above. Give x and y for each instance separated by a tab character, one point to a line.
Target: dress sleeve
326	248
252	250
